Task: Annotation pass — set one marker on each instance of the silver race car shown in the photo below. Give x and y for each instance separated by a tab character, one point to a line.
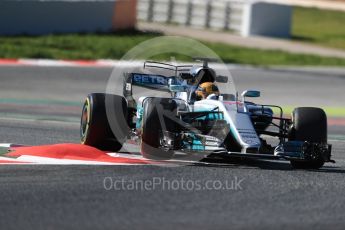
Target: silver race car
201	118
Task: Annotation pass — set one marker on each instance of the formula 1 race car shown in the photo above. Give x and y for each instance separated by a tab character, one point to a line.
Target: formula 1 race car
201	121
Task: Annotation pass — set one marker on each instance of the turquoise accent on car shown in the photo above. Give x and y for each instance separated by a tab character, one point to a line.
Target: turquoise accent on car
211	116
140	112
178	88
196	145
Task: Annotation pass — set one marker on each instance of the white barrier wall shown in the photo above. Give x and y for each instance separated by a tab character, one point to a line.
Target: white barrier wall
267	19
245	17
63	16
196	13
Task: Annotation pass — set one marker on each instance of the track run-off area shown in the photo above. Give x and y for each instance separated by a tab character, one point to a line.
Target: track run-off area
41	106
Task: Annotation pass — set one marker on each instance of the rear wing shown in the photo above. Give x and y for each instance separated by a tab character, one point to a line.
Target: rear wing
167	66
149	81
155	81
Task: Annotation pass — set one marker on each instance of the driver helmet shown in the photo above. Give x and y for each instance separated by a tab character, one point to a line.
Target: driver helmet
206	89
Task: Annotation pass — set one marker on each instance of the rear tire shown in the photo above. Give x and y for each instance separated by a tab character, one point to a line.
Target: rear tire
309	124
152	127
95	128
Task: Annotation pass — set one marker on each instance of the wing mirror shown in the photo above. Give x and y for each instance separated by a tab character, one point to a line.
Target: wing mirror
250	93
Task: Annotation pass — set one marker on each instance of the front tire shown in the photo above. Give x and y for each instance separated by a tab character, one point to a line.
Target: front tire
309	124
95	128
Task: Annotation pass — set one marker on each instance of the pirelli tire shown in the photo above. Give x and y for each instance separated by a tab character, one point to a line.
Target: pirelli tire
95	128
155	118
309	124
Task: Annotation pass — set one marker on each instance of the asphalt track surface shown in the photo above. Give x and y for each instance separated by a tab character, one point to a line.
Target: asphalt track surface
41	105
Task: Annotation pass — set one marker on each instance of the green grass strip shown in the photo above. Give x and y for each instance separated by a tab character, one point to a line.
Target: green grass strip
319	26
330	111
115	46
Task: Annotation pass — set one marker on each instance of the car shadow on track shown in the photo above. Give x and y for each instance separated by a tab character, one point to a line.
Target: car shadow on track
263	164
